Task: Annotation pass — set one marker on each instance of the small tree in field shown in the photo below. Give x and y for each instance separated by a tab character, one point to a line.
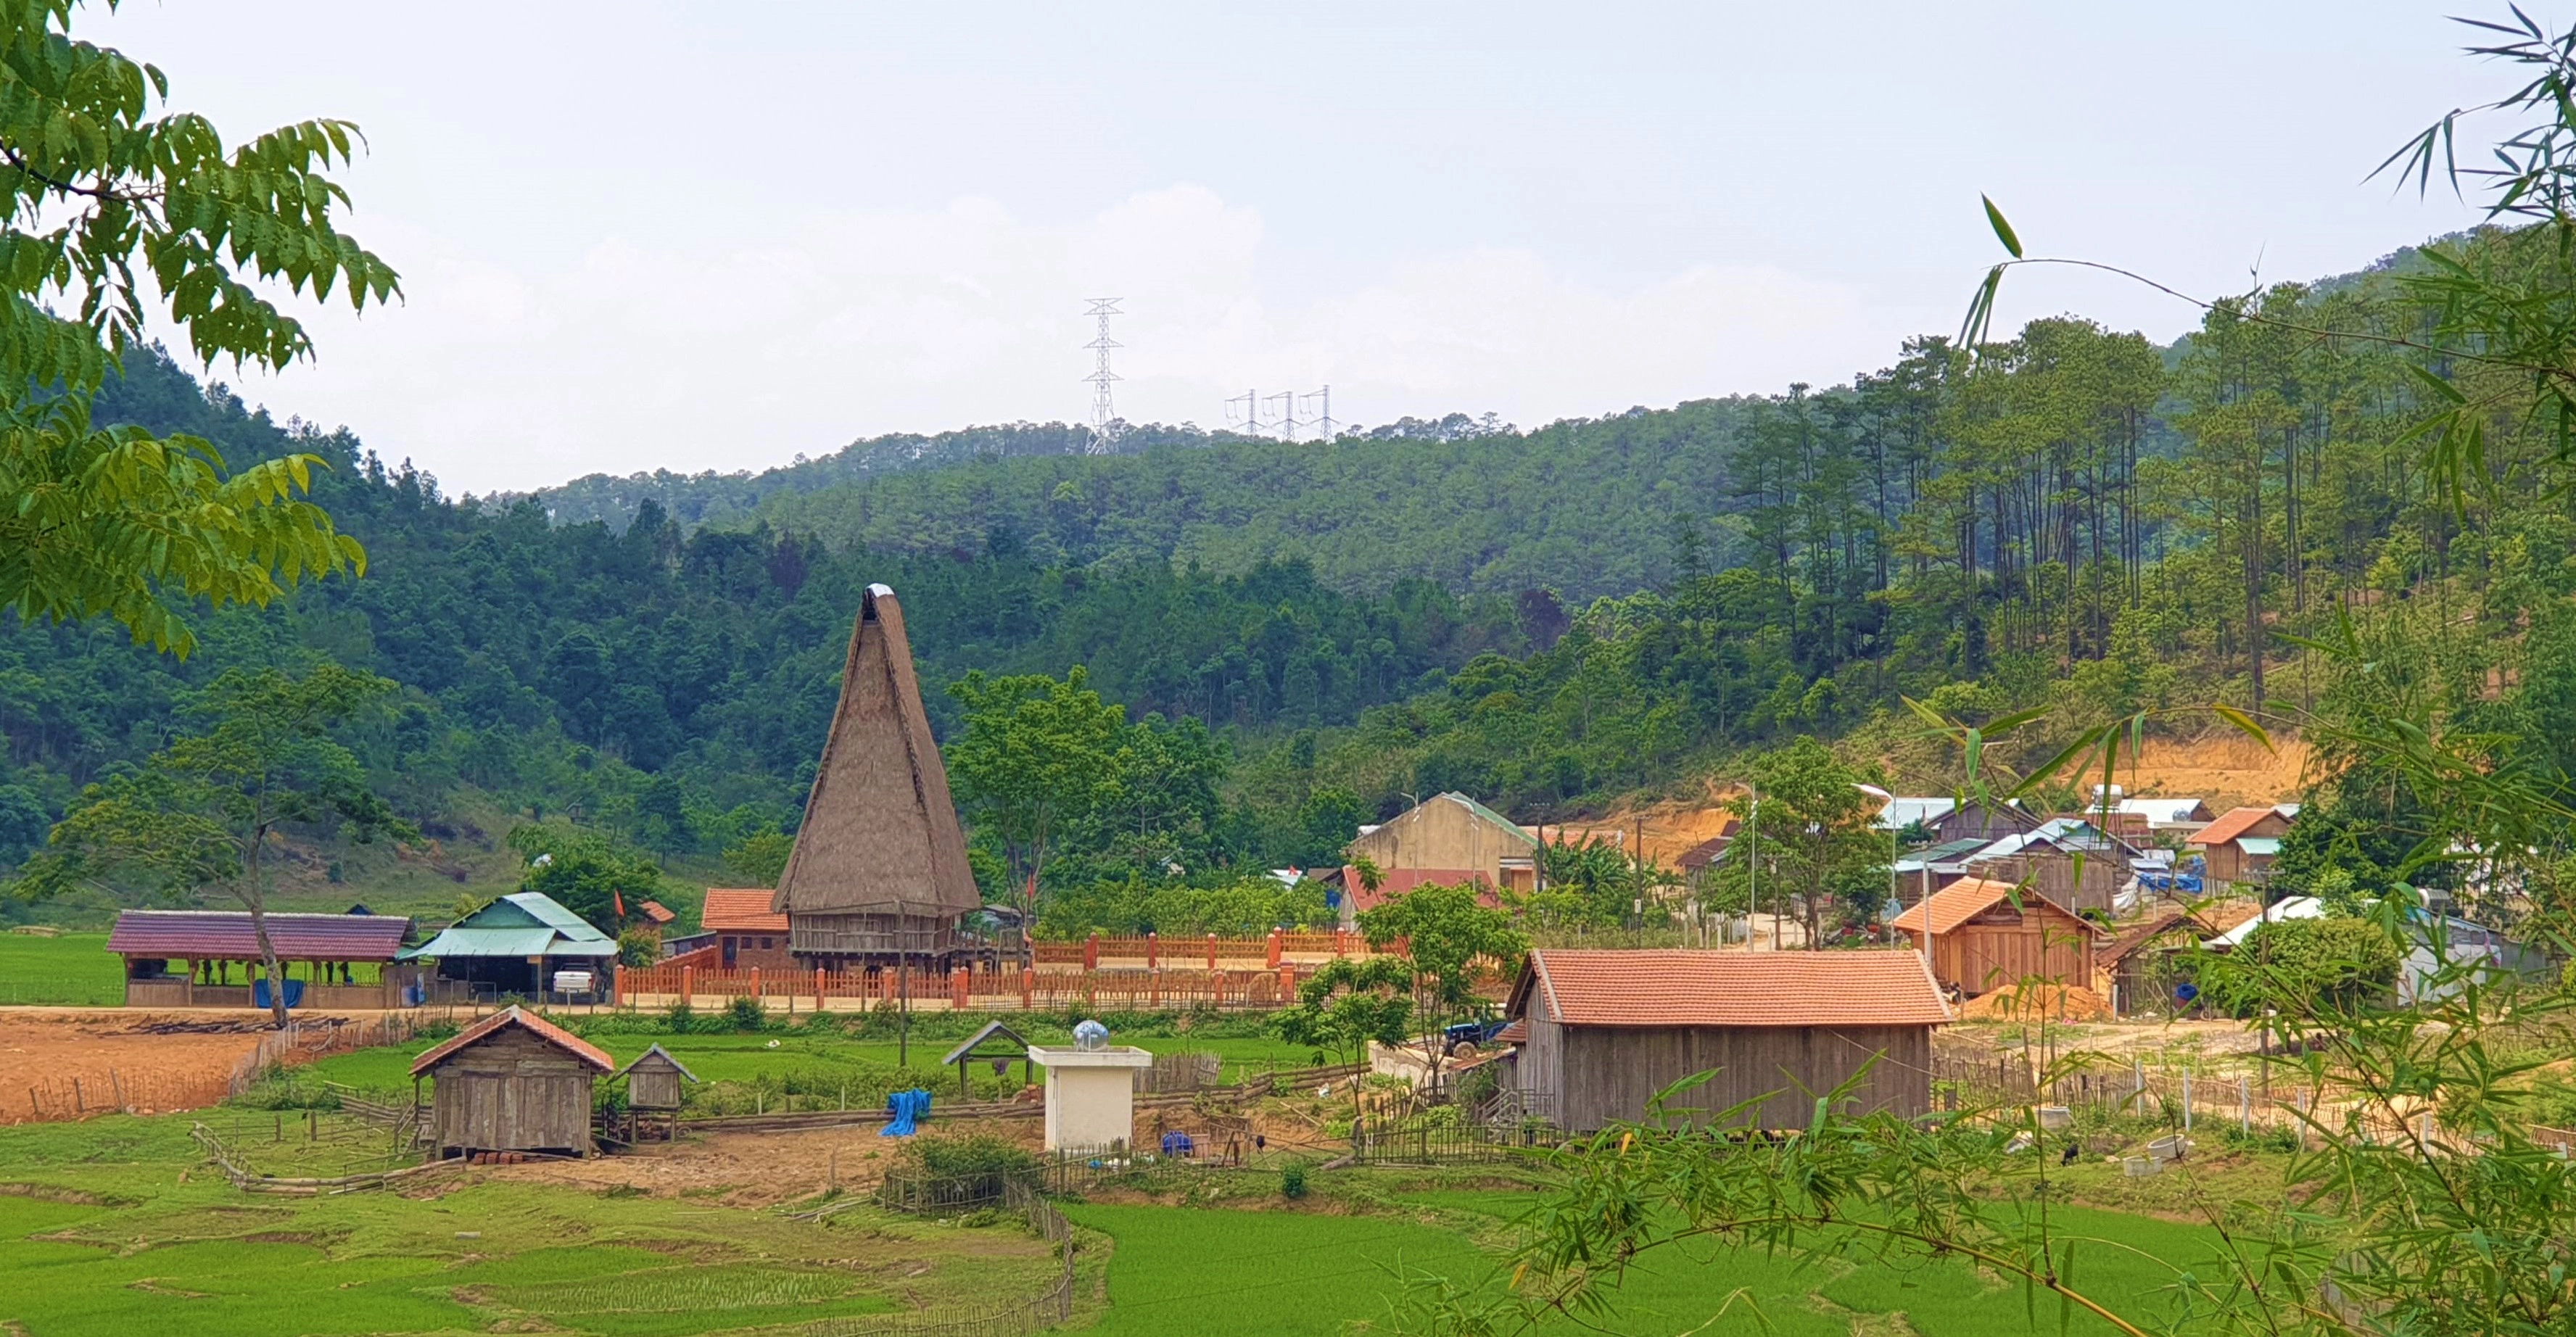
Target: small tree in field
1448	932
1346	1005
205	810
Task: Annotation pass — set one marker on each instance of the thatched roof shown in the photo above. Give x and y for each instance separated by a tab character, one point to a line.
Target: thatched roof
880	831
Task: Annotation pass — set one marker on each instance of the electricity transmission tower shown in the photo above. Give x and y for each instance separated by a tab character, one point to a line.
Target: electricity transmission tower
1104	417
1323	420
1287	412
1251	402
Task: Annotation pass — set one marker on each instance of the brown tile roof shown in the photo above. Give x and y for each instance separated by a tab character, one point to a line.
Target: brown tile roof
1513	1034
2236	823
1688	988
657	912
740	910
1966	899
535	1025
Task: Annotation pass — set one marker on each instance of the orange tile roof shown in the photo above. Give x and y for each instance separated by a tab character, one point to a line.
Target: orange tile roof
658	912
2237	822
1966	899
1686	988
535	1025
1516	1033
740	910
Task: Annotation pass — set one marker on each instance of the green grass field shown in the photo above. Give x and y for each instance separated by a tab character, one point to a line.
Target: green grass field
748	1057
113	1228
1180	1271
71	970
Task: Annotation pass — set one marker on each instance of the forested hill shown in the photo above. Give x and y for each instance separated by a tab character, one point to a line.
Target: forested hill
1583	508
675	686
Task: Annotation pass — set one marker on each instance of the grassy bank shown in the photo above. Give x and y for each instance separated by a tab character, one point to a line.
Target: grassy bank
72	970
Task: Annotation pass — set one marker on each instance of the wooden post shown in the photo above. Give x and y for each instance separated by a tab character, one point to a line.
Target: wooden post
1028	988
1153	950
1287	985
2244	1104
688	986
1211	951
1091	951
818	988
958	984
1341	942
1274	949
755	983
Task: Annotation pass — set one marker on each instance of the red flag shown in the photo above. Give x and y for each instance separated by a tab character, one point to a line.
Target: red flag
618	898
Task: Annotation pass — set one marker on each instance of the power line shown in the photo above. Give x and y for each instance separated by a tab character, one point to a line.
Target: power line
1104	416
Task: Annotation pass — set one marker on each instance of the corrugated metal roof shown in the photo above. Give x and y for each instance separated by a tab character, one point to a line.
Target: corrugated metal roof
1492	816
1686	988
211	935
522	924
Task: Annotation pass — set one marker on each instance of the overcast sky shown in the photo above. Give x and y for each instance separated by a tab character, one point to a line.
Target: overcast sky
638	236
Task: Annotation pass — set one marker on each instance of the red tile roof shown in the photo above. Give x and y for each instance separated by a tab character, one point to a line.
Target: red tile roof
2236	823
1394	882
535	1025
1968	898
225	935
1514	1034
740	910
1688	988
657	912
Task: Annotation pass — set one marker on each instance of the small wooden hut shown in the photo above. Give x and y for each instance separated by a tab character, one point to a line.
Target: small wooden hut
878	877
653	1088
996	1044
1987	934
511	1082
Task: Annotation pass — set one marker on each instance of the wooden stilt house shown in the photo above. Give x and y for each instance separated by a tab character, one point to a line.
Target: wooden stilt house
879	875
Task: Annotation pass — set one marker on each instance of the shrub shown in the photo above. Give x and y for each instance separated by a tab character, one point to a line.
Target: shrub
681	1017
2341	962
975	1154
1292	1180
748	1015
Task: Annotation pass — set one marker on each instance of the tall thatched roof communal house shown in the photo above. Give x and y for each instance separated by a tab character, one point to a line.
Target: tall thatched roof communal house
879	873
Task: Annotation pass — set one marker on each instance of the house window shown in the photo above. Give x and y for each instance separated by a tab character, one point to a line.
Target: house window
764	944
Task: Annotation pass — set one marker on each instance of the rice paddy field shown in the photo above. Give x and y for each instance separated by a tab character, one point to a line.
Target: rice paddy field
68	970
117	1226
1179	1271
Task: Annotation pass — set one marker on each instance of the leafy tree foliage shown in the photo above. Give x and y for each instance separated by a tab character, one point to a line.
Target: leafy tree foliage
115	215
580	871
1348	1005
1452	939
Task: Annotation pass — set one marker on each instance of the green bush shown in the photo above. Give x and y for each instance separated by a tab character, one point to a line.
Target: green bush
748	1015
1292	1180
974	1154
2342	962
680	1017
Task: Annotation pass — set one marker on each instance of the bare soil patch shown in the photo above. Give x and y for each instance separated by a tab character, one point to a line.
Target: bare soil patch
68	1063
753	1169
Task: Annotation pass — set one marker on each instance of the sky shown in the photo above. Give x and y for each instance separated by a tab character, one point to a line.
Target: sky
638	236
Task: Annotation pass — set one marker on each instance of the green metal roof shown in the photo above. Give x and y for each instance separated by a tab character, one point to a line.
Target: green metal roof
520	925
1492	816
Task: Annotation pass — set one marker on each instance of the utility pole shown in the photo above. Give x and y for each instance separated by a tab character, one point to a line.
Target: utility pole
1104	416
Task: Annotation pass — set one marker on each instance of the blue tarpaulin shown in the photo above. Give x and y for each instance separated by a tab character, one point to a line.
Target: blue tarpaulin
908	1108
259	993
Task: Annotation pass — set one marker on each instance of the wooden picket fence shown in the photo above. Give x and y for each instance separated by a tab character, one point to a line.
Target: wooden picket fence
1245	988
1210	952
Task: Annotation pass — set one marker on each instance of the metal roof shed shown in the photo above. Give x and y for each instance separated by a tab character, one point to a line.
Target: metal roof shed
511	945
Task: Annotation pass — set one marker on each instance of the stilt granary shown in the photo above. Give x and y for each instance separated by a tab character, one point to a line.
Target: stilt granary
879	874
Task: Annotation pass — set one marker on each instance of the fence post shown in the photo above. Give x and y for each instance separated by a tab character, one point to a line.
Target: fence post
688	986
1028	988
1338	940
818	988
957	987
1274	949
1211	951
2244	1104
755	982
1287	985
2138	1092
1153	950
2186	1100
1091	951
